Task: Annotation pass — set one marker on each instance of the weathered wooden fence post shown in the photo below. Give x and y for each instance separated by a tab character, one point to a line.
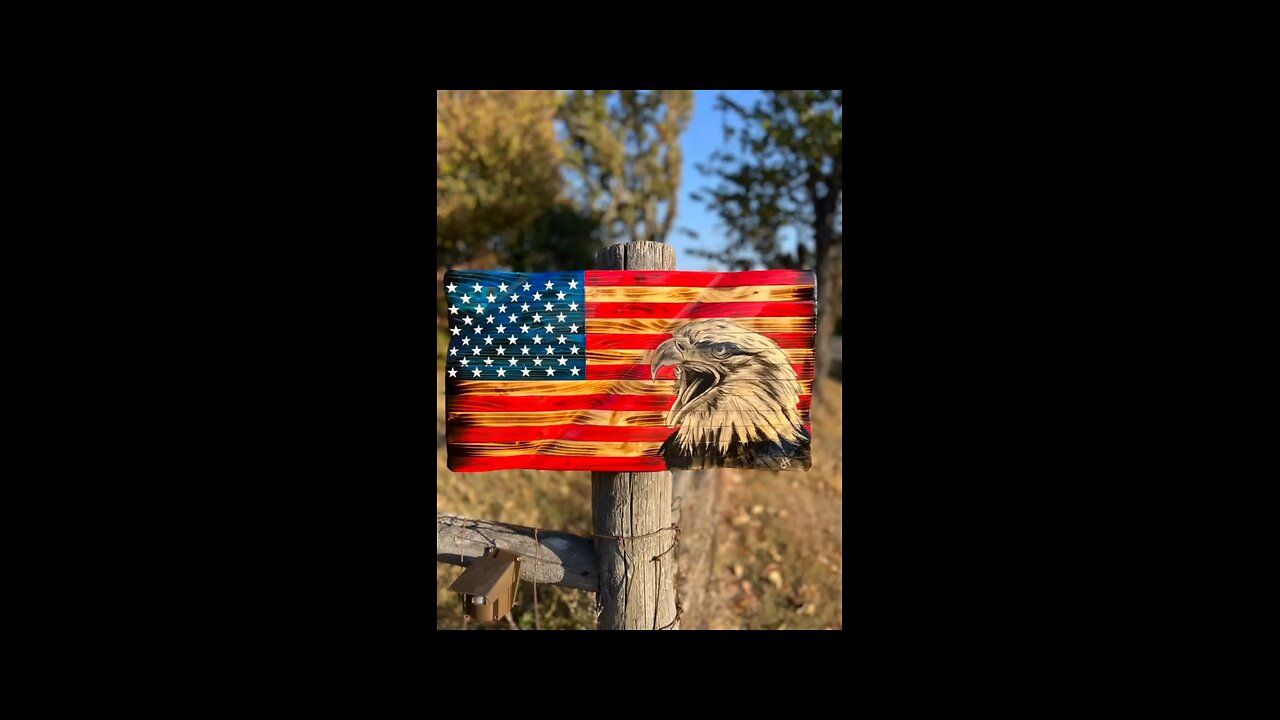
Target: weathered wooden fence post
637	573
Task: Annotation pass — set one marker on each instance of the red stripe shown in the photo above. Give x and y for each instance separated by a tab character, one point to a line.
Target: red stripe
555	462
592	433
809	429
535	403
699	310
610	341
666	372
632	278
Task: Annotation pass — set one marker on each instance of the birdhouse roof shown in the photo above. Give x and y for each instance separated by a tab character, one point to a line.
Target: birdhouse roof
486	575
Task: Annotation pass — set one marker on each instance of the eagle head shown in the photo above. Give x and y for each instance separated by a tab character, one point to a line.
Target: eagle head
736	394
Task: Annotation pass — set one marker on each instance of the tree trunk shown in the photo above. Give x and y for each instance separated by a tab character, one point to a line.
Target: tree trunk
828	261
828	307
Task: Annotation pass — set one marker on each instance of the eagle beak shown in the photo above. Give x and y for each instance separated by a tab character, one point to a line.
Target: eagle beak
668	353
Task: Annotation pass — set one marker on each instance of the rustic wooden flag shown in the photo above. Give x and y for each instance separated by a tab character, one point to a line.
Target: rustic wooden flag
629	370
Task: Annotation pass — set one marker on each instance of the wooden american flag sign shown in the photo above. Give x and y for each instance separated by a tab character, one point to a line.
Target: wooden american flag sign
629	370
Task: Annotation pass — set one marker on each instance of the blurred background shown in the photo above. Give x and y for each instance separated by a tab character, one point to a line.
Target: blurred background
534	180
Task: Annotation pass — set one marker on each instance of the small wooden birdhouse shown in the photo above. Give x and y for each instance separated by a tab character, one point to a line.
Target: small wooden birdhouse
488	585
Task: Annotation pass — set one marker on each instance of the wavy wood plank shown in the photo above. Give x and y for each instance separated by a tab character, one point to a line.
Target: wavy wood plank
642	357
554	462
700	311
556	446
606	341
641	326
592	433
765	293
616	371
488	418
629	276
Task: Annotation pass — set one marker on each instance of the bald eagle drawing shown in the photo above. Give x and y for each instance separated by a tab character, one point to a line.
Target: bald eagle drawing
736	395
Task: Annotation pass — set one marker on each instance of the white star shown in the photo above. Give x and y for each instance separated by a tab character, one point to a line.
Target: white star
526	287
573	370
502	372
464	361
573	284
454	330
479	308
551	371
453	310
513	361
512	318
524	307
549	329
524	350
551	351
573	306
515	298
537	317
548	284
573	350
489	319
466	299
537	296
511	340
561	339
488	340
524	328
573	329
453	372
477	287
559	296
467	320
466	341
476	372
491	297
537	340
524	372
502	287
502	329
537	361
451	287
479	329
560	317
475	350
453	351
488	361
563	361
549	306
502	350
502	308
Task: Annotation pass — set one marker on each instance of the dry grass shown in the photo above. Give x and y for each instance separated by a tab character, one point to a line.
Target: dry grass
778	560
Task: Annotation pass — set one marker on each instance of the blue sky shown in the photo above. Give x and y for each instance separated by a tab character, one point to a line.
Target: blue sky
703	137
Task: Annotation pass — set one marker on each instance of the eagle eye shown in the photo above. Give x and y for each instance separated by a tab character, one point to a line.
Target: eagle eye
722	350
